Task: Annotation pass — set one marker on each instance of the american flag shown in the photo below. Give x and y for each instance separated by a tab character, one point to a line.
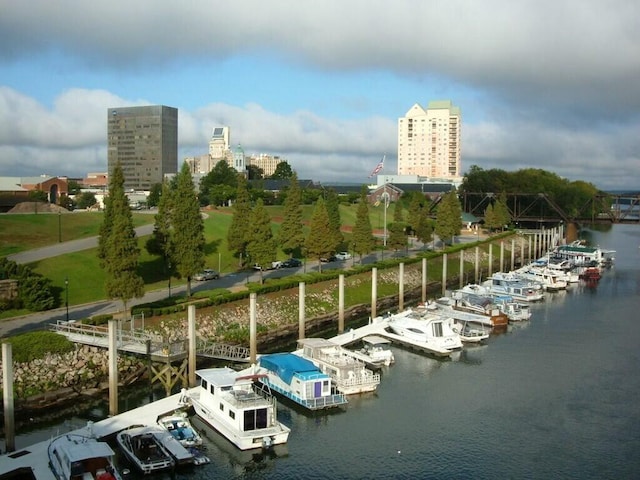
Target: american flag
378	168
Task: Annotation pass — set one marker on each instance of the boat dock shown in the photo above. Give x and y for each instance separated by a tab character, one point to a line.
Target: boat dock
34	458
378	326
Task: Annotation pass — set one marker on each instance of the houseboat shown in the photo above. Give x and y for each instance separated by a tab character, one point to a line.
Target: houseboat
238	407
299	380
349	374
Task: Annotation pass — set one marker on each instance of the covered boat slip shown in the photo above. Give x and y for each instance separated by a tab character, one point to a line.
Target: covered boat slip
299	380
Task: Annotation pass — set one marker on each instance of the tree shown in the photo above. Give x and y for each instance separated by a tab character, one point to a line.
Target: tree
221	174
237	235
332	204
424	230
154	195
362	238
254	172
283	171
291	235
490	219
187	235
397	236
319	242
73	187
261	246
159	243
448	217
86	200
502	211
118	246
416	206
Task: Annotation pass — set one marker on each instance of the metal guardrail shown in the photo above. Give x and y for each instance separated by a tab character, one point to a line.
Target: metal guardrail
143	342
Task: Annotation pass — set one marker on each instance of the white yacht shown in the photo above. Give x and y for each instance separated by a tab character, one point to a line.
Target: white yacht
427	327
236	406
550	280
510	284
299	380
375	349
349	374
75	456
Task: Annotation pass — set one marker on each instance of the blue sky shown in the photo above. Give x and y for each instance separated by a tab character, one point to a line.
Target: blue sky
550	85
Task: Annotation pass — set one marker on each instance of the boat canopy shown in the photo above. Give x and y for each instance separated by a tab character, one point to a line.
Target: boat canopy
286	365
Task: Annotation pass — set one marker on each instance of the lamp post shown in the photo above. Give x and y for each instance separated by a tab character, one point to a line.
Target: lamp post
66	301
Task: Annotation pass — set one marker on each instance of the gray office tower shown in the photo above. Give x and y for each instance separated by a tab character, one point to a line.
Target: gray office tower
145	142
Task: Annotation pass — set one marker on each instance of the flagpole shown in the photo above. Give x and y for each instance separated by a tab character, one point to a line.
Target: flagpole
385	195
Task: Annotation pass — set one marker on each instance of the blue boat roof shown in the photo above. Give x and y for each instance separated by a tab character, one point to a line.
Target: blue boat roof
286	365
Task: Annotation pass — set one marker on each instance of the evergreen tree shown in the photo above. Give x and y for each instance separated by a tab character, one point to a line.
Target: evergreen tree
397	236
448	218
118	246
237	235
187	235
362	238
291	235
159	243
424	230
319	243
261	245
154	195
283	171
490	219
415	212
332	204
502	211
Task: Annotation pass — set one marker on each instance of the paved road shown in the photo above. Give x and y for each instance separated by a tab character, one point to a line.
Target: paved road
41	320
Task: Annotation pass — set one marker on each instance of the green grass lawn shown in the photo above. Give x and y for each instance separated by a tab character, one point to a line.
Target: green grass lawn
20	232
82	269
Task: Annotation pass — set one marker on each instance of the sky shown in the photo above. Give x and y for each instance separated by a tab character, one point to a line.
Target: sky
553	85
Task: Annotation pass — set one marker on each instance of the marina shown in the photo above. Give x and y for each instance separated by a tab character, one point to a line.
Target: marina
552	377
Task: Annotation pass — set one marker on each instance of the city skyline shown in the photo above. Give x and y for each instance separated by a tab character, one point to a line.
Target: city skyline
549	85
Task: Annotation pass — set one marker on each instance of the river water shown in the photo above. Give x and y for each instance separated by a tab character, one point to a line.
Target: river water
555	397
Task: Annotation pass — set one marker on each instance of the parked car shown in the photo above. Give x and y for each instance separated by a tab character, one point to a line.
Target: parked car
332	258
291	263
343	255
205	275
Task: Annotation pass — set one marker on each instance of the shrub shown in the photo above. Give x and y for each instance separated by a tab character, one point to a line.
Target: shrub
31	345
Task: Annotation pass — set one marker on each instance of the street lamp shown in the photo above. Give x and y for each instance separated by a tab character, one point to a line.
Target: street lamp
66	289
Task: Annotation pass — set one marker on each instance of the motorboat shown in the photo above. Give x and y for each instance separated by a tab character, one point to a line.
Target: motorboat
428	328
551	281
178	425
239	407
483	305
298	379
515	311
376	351
470	332
517	288
349	374
145	447
75	456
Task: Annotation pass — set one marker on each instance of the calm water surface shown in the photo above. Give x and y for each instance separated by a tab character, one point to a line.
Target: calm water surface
556	397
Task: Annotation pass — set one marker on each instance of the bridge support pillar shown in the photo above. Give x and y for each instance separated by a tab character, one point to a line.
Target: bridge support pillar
374	292
7	398
401	286
341	303
192	344
444	274
253	341
301	307
113	367
425	279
